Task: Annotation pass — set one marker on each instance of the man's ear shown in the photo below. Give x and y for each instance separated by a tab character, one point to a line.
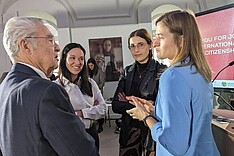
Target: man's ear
24	45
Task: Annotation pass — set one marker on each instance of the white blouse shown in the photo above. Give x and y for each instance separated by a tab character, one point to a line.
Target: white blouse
93	108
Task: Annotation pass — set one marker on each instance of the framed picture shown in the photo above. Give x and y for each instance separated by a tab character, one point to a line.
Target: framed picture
108	54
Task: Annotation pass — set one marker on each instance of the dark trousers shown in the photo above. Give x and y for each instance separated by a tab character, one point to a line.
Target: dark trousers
93	132
100	121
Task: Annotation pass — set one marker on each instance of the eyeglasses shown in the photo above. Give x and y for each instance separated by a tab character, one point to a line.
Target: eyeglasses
51	39
140	45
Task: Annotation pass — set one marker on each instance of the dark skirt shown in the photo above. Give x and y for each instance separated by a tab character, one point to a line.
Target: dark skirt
135	145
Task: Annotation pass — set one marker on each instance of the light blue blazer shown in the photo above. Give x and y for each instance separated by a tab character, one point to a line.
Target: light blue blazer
184	108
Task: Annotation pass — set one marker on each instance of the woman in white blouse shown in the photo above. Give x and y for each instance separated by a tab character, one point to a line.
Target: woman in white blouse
84	94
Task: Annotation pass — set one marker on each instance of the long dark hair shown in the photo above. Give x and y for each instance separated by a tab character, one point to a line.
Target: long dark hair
85	85
95	69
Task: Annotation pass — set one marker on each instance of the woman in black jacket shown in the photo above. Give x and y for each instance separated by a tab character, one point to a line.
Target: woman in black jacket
139	79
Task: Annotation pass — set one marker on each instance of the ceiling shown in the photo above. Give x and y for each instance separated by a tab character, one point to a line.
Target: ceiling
87	13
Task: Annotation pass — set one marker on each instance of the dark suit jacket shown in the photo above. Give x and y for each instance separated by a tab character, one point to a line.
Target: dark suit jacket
148	90
37	119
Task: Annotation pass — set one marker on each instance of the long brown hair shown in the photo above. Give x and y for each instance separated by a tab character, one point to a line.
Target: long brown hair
183	23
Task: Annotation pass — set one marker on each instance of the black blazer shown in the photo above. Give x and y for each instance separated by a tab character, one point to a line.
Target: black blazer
148	90
36	118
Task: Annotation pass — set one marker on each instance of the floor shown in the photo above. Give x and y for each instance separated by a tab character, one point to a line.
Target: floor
109	145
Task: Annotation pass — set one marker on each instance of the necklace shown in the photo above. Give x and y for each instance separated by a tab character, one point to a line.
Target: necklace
142	69
141	74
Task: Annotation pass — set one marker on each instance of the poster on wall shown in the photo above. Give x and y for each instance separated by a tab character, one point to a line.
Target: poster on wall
108	54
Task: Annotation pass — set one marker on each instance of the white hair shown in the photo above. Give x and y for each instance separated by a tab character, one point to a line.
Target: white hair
18	28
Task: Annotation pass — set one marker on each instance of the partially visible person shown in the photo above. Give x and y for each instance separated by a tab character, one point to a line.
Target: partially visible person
36	116
96	73
181	120
99	77
85	96
138	79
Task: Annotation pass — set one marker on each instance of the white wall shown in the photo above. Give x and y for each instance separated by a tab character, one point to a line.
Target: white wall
64	37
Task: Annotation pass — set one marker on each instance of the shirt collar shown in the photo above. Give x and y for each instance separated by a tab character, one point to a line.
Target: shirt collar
67	82
185	61
38	71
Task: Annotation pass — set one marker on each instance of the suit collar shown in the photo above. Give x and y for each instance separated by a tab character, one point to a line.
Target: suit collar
27	69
